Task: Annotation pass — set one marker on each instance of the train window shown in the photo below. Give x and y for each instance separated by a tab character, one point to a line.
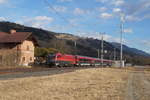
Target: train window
50	56
86	60
81	59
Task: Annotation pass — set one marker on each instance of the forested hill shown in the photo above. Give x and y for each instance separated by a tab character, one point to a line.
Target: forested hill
64	42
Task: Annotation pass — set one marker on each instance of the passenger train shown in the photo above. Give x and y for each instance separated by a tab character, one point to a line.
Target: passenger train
63	60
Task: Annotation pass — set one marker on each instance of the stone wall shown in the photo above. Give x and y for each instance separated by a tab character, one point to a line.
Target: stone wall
17	54
9	57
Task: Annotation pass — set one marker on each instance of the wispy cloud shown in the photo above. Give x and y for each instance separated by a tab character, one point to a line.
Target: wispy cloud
65	0
138	7
102	1
132	18
3	19
137	11
58	8
146	42
112	2
134	11
79	11
106	15
117	10
43	18
38	21
101	9
73	22
3	1
128	30
118	2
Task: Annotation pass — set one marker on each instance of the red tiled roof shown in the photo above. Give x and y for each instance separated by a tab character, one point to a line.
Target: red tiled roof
17	37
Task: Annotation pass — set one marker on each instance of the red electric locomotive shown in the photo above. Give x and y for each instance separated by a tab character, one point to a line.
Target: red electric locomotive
59	59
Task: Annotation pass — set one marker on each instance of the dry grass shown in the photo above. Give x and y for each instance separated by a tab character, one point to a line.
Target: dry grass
87	84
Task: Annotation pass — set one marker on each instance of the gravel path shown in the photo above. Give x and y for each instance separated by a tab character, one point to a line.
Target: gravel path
129	91
138	86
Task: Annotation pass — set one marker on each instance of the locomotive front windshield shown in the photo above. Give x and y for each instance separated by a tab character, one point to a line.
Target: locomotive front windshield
51	57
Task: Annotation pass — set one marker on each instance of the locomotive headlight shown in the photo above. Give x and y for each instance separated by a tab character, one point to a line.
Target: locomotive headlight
105	51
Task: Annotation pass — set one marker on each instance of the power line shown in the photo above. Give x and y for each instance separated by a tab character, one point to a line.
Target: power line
57	13
50	6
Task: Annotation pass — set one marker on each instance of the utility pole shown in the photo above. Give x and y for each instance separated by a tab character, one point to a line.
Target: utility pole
102	48
114	54
121	33
75	47
97	53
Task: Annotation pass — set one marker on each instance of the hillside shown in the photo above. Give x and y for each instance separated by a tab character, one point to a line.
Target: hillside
84	46
131	50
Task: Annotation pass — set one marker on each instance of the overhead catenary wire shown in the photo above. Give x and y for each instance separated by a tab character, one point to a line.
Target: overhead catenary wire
62	17
50	6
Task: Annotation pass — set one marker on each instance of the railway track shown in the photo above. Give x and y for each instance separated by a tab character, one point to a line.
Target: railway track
11	73
37	69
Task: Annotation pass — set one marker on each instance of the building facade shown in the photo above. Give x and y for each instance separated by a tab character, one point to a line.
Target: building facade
17	48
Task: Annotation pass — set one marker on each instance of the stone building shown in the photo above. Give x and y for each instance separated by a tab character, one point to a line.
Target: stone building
17	48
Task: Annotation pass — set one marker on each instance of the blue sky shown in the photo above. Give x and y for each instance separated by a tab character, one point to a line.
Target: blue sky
84	18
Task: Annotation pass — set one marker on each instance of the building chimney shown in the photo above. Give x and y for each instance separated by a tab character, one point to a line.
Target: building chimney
12	31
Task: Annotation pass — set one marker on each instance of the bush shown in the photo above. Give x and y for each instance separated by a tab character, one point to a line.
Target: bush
42	52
